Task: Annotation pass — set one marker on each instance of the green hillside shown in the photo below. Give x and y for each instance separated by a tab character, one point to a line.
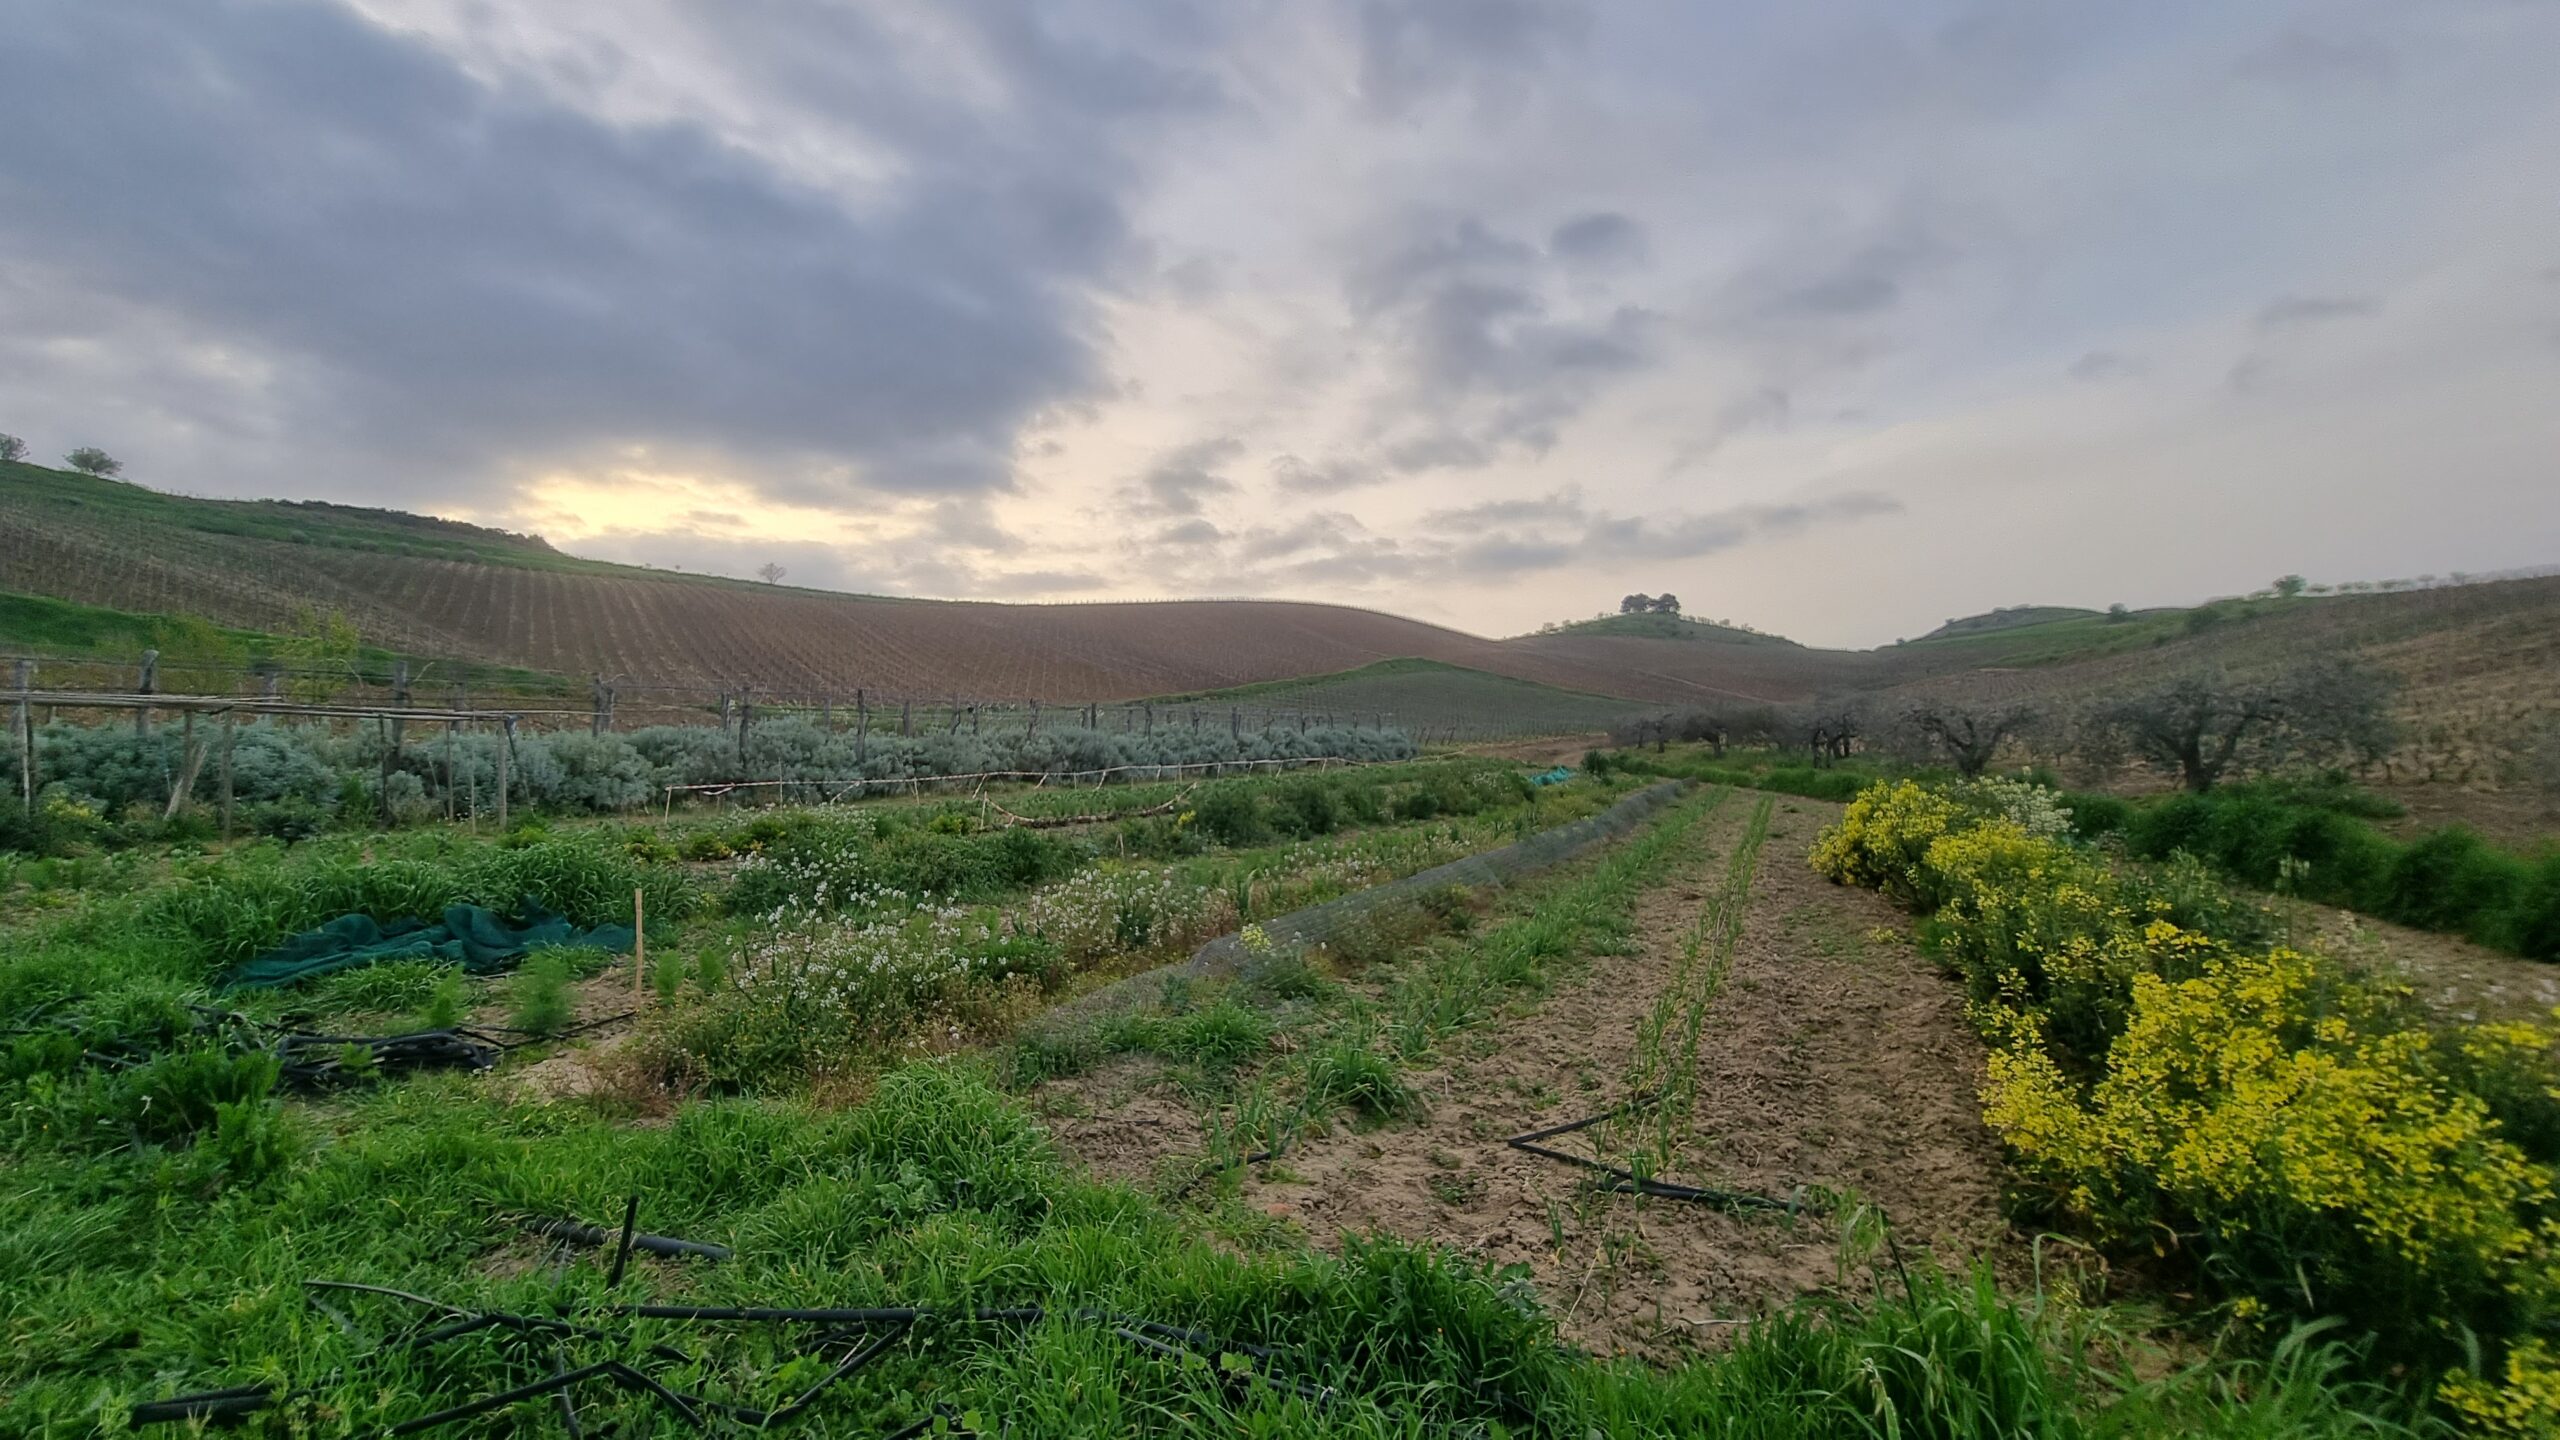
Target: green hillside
1668	627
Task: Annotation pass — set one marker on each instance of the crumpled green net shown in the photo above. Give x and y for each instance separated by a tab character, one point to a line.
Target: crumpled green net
475	937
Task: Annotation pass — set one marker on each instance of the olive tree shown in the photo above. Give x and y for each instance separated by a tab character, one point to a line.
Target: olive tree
1966	737
2206	727
12	449
90	460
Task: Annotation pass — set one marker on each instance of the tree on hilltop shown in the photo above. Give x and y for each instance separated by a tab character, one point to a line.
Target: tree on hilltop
771	572
12	449
90	460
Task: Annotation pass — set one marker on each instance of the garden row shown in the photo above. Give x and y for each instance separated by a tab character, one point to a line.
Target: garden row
836	940
2293	1136
107	784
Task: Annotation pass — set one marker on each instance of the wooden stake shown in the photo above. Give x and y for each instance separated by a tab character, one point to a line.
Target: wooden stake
639	950
230	737
506	753
26	678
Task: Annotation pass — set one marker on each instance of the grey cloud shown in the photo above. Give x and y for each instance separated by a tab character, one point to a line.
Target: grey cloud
2104	365
1329	477
2305	58
1188	534
2295	312
1766	408
1467	314
1401	270
970	524
1564	506
1178	483
1604	237
1504	555
1414	50
1440	450
457	269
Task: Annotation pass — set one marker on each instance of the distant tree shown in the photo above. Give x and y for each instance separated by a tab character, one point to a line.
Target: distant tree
2206	728
320	648
1967	736
12	449
771	572
1666	603
1635	605
2289	586
2117	614
90	460
1831	728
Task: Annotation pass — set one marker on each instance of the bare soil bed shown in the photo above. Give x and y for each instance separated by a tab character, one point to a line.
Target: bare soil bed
1834	1061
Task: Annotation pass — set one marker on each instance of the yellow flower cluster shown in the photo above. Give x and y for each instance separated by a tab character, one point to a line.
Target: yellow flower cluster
2293	1122
2527	1403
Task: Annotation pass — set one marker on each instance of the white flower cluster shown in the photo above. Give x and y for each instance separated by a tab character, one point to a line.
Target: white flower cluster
2038	811
1108	912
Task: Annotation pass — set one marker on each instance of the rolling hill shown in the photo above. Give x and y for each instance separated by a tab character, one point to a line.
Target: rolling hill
118	566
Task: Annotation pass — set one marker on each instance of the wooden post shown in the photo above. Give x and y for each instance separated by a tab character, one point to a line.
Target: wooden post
1034	727
639	949
392	733
506	758
955	717
827	713
1151	718
230	738
906	716
595	721
977	721
746	717
861	726
1235	722
147	683
190	764
26	680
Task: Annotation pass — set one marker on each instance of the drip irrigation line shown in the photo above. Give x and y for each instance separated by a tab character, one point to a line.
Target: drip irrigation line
897	1322
1625	1181
622	1248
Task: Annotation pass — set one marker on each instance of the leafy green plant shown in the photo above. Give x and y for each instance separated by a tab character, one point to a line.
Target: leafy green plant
539	994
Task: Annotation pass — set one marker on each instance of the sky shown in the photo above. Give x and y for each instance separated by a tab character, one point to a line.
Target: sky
1836	319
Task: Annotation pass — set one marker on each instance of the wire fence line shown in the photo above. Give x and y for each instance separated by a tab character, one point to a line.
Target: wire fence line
399	691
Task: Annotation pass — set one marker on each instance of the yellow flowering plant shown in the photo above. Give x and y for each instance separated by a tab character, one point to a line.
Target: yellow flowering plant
2303	1134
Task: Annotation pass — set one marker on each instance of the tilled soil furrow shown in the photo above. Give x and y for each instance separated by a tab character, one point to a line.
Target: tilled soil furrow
1827	1061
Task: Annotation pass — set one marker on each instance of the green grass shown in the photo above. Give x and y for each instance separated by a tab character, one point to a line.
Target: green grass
59	630
159	1222
2315	842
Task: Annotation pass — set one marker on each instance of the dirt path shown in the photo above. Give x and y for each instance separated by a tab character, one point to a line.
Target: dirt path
2457	980
1828	1060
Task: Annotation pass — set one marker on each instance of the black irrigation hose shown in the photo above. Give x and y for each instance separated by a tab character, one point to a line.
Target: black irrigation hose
224	1406
1626	1181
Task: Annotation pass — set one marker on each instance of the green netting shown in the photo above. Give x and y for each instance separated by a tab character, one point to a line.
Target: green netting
477	938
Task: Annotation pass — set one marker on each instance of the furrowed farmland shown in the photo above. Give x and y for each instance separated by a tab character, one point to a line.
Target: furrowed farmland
989	1020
